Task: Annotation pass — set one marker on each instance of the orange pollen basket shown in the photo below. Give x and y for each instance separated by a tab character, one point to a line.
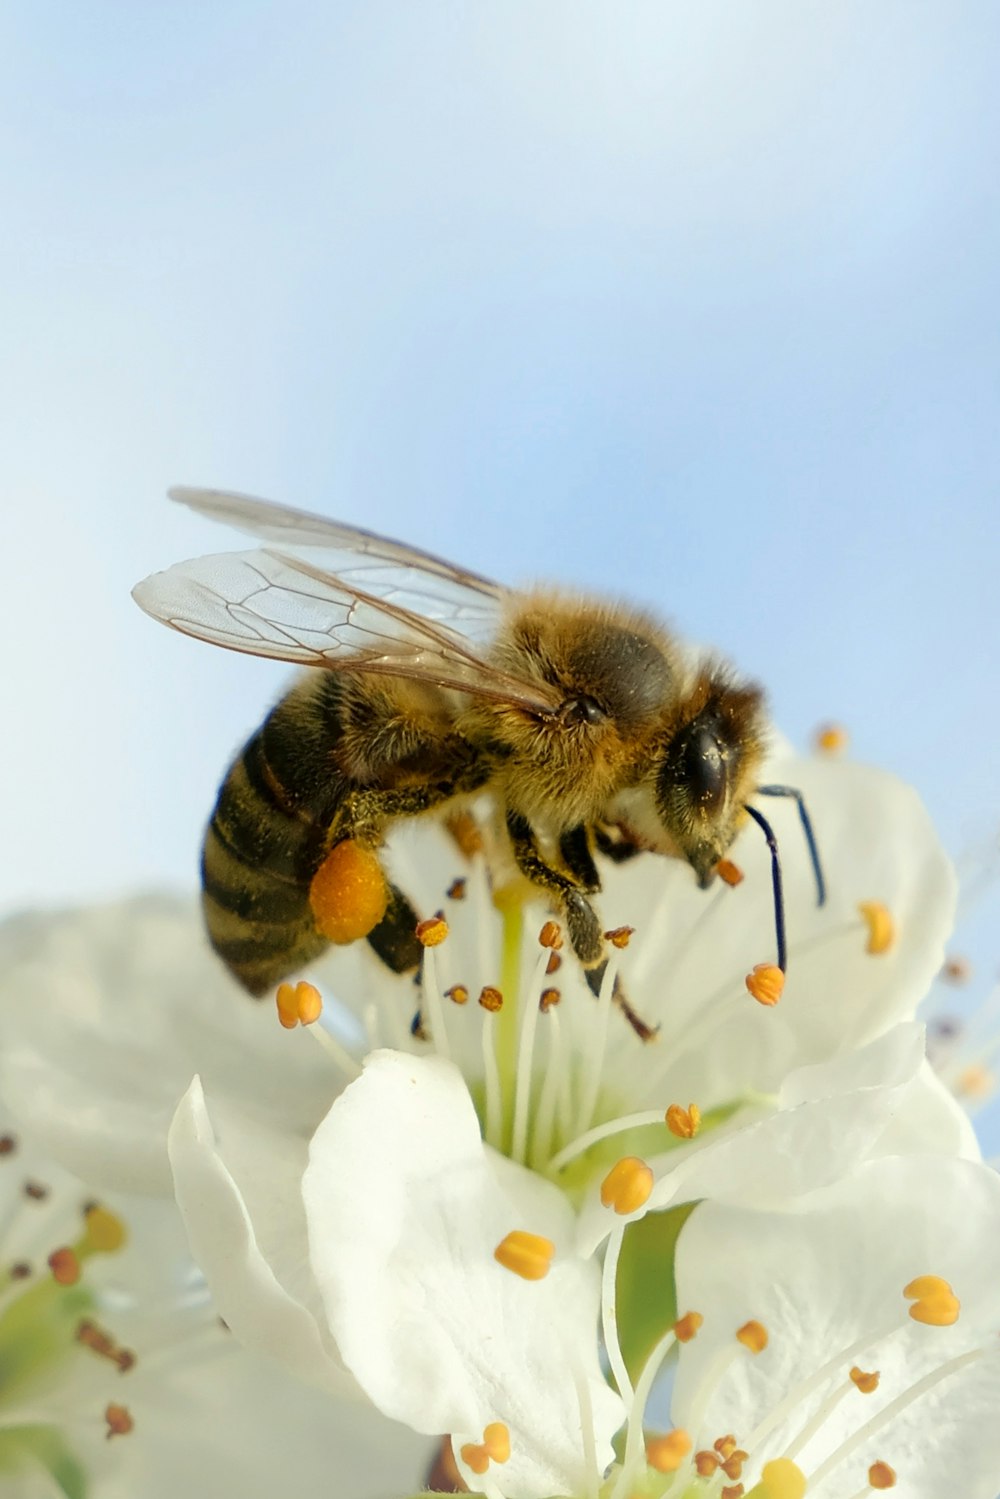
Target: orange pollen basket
348	894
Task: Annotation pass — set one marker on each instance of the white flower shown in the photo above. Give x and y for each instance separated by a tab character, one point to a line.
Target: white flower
112	1354
363	1258
422	1249
126	1003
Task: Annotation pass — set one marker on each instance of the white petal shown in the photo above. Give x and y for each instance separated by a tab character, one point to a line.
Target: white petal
692	949
405	1209
830	1117
238	1428
256	1263
831	1272
108	1013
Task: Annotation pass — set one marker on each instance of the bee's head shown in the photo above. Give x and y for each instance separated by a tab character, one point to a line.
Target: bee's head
708	769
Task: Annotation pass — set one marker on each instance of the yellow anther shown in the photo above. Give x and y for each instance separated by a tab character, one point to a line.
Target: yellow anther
458	994
732	1491
547	999
866	1383
551	935
684	1123
881	1476
831	739
554	964
496	1440
666	1453
298	1004
725	1446
729	873
687	1327
627	1185
432	932
491	999
65	1266
348	894
753	1335
456	890
119	1421
934	1302
766	983
475	1456
705	1463
975	1081
780	1479
105	1232
527	1255
881	927
620	936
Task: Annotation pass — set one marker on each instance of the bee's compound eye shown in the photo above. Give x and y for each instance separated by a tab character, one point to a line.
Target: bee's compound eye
583	710
704	770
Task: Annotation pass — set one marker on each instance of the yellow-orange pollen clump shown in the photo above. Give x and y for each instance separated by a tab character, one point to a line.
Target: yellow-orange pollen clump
491	999
666	1453
831	739
934	1302
432	932
551	935
688	1326
684	1123
866	1383
65	1266
494	1448
104	1231
298	1004
881	927
766	983
620	936
348	894
780	1479
881	1476
527	1255
753	1335
627	1185
458	994
119	1421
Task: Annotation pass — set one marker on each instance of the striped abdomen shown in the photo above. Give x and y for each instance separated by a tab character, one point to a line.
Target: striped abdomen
265	841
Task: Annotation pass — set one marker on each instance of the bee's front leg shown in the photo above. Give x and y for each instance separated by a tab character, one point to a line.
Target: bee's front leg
582	925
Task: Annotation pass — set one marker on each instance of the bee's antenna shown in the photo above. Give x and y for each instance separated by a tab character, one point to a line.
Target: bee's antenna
779	899
807	828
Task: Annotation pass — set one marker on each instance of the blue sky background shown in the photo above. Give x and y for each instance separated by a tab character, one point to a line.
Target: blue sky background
696	302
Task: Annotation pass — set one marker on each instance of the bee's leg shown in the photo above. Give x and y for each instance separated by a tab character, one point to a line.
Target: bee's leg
582	925
595	978
618	850
394	939
574	848
363	813
581	919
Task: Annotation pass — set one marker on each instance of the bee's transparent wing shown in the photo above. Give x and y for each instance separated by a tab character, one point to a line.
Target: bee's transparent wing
402	575
284	607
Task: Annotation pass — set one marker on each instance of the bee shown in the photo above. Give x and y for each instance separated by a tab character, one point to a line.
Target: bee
588	725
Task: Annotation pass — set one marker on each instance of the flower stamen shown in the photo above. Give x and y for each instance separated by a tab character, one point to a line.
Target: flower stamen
525	1254
881	927
684	1123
